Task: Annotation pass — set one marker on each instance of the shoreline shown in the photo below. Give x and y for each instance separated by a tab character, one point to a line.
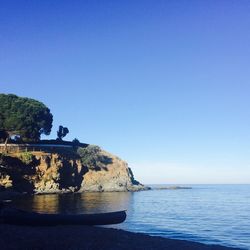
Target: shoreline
90	237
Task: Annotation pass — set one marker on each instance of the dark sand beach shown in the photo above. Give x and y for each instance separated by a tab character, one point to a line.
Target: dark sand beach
86	237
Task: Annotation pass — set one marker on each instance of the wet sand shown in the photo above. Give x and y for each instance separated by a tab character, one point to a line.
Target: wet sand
86	237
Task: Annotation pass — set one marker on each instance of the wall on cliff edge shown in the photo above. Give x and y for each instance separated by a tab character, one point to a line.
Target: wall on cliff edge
57	172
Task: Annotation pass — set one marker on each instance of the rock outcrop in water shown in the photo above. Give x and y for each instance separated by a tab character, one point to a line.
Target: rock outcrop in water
55	172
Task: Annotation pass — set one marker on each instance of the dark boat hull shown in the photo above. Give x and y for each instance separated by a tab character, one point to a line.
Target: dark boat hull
20	217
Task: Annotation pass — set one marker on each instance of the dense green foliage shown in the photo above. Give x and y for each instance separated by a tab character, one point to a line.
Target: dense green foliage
24	117
92	157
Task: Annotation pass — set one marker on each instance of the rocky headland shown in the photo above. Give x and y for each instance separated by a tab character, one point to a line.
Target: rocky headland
60	171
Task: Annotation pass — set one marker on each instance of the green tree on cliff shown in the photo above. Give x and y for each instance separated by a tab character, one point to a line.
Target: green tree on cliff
93	157
62	132
24	117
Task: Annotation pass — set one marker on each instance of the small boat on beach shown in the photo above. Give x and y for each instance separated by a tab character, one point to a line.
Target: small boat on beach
21	217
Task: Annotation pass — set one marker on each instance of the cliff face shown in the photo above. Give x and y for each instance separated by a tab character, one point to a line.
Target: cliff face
59	172
115	176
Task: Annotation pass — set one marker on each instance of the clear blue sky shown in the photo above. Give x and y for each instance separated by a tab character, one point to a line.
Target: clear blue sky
163	84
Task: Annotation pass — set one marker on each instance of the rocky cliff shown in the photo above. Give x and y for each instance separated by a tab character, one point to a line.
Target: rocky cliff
55	172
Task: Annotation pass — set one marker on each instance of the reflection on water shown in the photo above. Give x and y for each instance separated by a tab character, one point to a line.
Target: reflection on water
212	214
75	203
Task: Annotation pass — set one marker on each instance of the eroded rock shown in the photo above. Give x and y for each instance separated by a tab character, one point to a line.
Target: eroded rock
59	173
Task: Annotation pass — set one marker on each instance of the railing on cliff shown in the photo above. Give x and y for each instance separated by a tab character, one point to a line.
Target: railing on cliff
44	145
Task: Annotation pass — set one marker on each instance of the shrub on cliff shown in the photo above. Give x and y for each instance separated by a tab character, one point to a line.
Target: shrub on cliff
92	157
25	117
26	157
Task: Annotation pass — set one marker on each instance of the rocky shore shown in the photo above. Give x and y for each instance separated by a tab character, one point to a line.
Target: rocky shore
88	238
64	171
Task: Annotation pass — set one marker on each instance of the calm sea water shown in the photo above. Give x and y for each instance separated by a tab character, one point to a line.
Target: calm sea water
212	214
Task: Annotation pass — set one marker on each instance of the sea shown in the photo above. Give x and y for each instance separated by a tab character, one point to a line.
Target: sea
211	214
